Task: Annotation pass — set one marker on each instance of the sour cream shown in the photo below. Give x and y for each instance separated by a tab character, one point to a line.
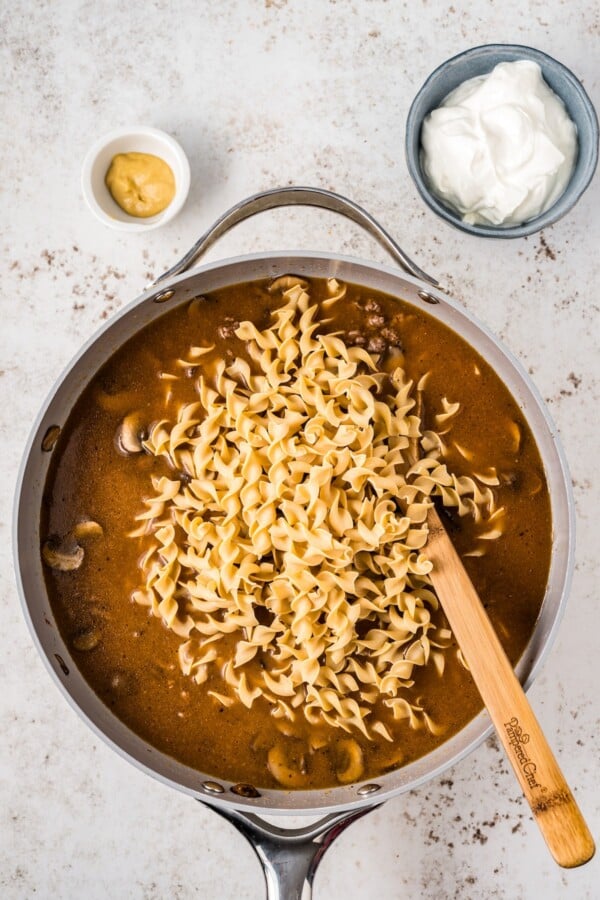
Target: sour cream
501	148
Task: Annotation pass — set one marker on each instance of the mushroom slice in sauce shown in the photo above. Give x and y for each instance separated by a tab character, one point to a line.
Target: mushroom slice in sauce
349	761
86	640
285	768
87	528
65	556
128	437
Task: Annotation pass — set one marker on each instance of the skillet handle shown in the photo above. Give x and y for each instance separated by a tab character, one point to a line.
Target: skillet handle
296	196
289	856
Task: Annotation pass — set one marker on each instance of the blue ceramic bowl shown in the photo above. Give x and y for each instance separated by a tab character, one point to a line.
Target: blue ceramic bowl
480	61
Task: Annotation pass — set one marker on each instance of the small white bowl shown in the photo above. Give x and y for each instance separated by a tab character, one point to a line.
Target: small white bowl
127	140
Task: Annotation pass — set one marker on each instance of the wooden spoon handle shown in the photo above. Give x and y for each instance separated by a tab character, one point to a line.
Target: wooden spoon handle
543	784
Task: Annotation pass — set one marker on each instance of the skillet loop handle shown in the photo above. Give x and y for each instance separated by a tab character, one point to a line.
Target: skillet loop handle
289	856
297	196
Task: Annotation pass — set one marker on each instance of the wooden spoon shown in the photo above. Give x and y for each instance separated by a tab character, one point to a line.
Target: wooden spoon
543	784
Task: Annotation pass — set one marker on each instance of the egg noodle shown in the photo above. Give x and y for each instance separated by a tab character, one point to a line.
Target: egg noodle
285	547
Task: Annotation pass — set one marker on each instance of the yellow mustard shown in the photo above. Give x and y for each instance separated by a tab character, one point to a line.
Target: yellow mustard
142	184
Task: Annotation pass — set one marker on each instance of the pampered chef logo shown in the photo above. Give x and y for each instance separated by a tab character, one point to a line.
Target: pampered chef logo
518	740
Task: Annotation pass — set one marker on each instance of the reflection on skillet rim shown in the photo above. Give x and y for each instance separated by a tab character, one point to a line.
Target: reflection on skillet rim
32	478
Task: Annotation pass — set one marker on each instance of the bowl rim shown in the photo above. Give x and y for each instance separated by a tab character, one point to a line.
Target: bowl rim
133	223
557	210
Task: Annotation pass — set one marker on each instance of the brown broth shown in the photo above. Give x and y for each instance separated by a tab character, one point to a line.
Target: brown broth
134	667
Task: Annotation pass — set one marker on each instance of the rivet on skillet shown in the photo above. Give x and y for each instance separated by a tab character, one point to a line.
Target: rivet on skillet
213	787
427	297
163	296
50	438
245	790
367	789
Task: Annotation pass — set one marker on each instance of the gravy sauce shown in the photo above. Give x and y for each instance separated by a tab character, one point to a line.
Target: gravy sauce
130	659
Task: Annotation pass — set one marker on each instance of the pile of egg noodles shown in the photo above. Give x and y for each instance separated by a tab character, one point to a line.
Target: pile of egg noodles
285	546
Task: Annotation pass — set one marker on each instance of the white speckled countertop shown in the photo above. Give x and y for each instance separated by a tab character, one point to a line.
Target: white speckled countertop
262	94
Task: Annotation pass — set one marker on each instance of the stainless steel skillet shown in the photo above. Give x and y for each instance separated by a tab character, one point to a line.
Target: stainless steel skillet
289	857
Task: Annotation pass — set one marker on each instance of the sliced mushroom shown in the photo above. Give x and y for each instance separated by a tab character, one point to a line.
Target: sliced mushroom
88	528
63	556
348	761
532	482
286	767
514	432
128	437
86	640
